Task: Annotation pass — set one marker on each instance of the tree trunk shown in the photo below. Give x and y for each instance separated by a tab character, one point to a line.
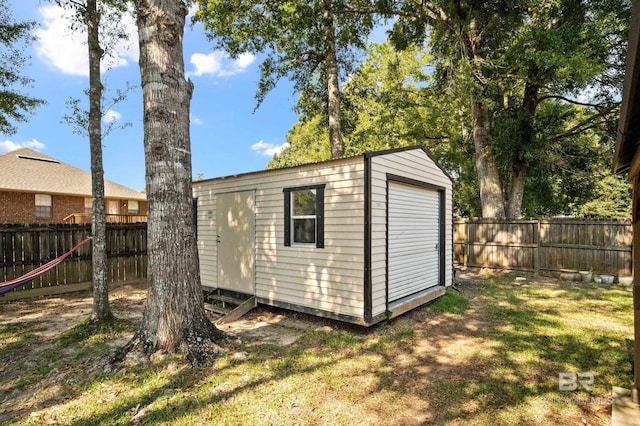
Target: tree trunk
491	196
101	309
524	139
514	203
333	88
174	319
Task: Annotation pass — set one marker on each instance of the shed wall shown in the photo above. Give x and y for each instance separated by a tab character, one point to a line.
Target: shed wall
413	164
330	278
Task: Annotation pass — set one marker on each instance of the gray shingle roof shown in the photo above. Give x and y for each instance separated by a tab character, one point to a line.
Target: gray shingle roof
25	170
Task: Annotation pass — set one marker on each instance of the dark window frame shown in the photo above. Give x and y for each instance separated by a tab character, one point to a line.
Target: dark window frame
288	237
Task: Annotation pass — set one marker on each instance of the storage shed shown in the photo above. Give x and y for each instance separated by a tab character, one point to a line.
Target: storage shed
358	239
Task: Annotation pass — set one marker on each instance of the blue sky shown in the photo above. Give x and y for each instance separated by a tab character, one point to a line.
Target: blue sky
226	136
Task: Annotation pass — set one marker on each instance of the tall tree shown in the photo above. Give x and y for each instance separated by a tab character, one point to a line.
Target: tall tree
391	101
14	105
513	56
307	141
87	18
313	43
174	319
101	308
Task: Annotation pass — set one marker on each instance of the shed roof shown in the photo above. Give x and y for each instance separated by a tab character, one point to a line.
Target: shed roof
348	157
25	170
629	124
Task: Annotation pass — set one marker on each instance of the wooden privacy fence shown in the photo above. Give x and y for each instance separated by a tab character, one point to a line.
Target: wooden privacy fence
545	245
25	247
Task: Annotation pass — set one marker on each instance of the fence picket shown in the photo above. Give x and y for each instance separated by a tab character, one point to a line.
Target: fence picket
25	247
551	245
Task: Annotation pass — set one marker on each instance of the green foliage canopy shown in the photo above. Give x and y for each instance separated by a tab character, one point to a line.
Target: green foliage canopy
392	101
291	35
510	58
14	105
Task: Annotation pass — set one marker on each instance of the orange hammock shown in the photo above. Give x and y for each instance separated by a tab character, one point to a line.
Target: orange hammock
7	286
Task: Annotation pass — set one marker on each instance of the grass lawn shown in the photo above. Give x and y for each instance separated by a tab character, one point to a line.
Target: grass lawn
490	354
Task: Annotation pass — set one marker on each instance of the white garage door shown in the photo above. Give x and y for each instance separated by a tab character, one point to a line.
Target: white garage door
414	236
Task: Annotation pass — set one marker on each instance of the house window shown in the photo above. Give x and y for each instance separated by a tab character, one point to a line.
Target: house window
304	216
88	205
43	206
113	207
133	207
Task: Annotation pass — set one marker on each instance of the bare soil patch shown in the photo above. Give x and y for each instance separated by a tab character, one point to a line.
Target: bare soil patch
59	313
261	325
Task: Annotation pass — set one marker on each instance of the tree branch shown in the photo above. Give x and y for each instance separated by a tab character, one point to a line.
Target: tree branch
590	123
572	101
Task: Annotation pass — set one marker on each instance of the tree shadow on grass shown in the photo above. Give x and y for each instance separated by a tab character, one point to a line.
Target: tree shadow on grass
504	354
23	362
488	365
42	372
155	405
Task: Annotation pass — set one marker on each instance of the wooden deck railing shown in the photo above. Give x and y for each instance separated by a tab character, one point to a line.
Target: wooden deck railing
77	218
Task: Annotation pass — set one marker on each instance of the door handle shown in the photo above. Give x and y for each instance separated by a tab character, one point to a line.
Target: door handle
218	240
437	246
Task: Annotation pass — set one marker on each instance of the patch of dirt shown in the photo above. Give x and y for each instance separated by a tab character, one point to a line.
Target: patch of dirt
275	326
261	325
59	313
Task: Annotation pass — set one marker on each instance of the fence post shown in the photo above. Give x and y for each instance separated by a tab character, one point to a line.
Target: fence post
536	256
467	246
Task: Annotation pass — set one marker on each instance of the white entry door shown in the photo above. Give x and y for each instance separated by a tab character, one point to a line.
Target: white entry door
236	241
413	240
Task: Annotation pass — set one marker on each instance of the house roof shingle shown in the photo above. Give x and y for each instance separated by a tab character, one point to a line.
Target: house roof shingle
25	170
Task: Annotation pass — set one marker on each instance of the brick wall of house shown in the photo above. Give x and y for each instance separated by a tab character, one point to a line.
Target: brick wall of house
63	206
20	208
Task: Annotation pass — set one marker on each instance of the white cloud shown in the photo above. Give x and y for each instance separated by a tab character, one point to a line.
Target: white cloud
7	145
268	149
111	116
218	64
195	120
244	60
66	51
207	64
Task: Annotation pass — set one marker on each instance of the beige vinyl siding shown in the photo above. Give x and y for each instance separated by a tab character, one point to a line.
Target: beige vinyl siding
413	164
329	278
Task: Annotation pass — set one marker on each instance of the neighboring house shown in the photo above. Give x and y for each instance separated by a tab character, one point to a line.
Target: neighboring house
358	239
627	160
36	188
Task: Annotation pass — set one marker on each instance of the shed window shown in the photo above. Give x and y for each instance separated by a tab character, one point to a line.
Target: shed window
43	206
304	216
